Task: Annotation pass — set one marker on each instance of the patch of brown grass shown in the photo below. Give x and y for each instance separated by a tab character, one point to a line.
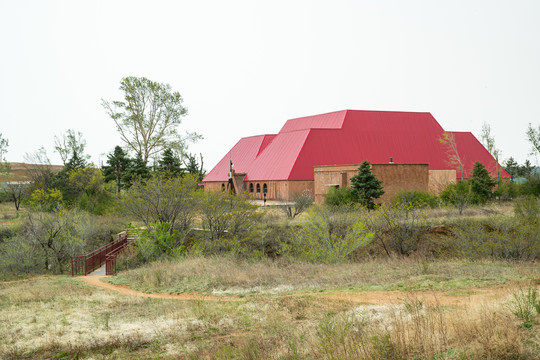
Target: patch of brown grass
230	275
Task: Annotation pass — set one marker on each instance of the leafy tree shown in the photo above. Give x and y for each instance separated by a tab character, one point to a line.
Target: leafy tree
69	144
86	186
117	168
59	234
149	116
46	200
162	200
459	194
61	180
481	182
366	187
533	135
170	163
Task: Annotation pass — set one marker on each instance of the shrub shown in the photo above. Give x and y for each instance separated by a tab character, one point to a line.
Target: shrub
338	196
398	228
531	186
302	201
525	304
459	195
415	198
162	200
158	241
527	208
330	236
496	238
224	214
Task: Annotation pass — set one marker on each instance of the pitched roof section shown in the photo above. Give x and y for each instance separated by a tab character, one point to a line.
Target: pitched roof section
471	150
242	155
348	137
333	120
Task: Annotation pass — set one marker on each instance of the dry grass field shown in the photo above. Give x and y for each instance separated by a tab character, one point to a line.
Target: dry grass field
394	309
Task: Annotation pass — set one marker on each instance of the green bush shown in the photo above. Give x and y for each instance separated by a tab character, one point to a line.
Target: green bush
330	235
398	228
527	208
159	240
525	304
416	198
531	186
459	195
338	196
495	238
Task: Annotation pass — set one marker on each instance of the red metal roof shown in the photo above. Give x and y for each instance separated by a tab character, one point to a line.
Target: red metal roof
242	155
348	137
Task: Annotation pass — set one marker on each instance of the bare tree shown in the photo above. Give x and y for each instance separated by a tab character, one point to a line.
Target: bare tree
489	142
533	135
302	201
38	168
70	143
4	143
15	190
449	141
148	118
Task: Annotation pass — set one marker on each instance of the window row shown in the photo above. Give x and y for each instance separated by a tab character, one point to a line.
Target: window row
258	187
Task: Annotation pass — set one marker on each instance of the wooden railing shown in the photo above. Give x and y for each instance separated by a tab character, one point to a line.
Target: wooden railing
85	264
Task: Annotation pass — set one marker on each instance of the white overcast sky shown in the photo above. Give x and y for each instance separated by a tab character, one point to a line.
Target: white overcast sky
245	67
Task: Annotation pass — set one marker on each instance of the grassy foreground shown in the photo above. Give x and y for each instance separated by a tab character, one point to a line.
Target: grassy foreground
281	315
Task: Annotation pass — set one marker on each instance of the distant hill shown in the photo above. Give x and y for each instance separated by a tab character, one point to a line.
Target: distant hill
22	171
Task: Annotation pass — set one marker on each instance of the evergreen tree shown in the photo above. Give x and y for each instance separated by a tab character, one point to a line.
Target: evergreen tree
170	163
512	168
117	168
481	182
139	169
366	187
193	166
75	162
60	181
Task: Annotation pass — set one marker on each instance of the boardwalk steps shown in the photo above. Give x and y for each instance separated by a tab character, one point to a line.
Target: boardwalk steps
85	264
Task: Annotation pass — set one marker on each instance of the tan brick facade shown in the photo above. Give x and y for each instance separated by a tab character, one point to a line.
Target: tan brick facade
395	177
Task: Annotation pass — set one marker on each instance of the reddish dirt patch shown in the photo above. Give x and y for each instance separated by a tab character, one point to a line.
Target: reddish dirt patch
445	298
96	281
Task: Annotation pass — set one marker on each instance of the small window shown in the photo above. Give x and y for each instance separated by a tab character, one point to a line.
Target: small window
251	187
265	189
258	188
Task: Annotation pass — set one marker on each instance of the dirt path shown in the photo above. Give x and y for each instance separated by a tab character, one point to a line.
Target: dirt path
96	281
444	298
